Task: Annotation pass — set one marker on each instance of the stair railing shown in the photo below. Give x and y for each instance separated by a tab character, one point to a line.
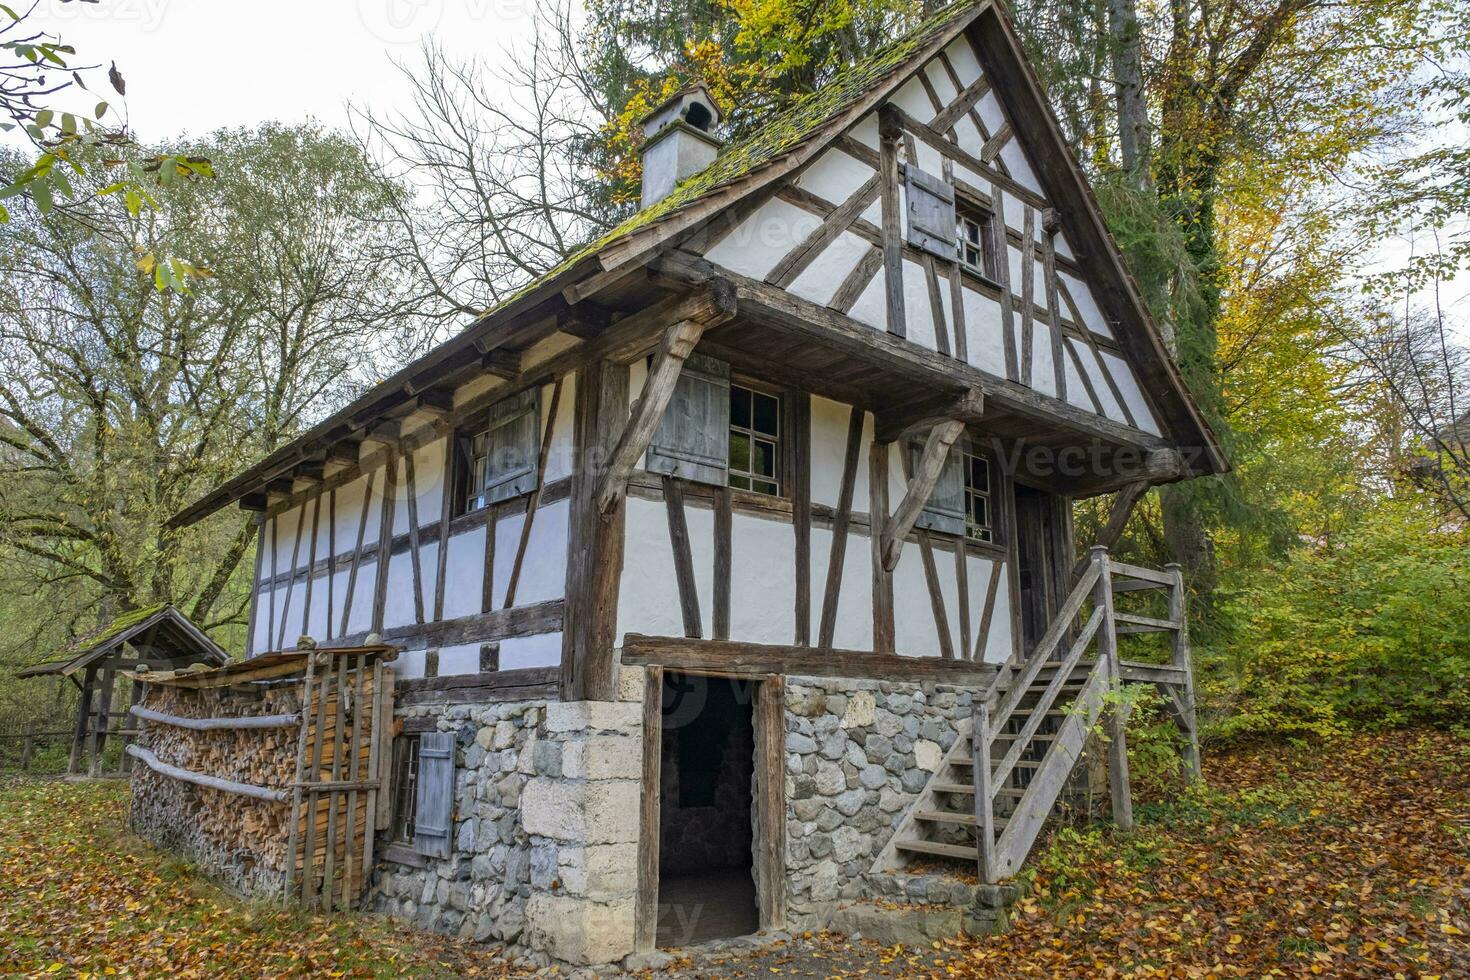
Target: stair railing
999	856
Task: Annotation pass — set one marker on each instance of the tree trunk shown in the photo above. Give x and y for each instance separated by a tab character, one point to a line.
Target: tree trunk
1133	129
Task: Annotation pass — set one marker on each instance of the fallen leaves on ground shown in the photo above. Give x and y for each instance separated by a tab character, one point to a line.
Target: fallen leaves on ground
81	897
1348	859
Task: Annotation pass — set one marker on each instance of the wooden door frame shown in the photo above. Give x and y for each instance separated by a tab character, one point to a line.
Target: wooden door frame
768	789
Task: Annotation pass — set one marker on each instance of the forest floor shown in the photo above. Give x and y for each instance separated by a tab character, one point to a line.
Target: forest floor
1343	860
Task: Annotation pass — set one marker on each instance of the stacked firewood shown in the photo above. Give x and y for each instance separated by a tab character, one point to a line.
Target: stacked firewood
242	829
321	758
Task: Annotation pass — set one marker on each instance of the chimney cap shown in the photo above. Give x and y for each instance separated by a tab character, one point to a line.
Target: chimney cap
692	104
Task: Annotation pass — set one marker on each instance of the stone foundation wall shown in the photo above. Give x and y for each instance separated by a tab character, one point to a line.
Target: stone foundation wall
545	830
857	755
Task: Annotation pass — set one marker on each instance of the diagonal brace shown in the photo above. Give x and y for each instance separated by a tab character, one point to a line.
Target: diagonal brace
674	349
921	485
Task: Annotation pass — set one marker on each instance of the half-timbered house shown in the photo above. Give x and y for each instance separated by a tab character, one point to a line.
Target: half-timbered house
723	553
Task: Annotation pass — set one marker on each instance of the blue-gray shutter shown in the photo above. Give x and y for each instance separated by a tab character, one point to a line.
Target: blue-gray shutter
433	823
931	213
944	511
514	437
692	440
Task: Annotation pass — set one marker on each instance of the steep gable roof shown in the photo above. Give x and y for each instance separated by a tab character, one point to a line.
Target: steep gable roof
791	139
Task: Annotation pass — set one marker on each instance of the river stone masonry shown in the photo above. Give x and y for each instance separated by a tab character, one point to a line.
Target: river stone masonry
545	831
858	753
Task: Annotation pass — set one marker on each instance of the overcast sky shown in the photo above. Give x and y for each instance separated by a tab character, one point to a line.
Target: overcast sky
195	65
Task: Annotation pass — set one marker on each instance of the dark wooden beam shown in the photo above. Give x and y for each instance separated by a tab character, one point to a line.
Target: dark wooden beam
928	411
761	659
926	476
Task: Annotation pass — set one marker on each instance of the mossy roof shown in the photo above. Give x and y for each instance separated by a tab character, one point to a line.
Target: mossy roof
784	132
183	635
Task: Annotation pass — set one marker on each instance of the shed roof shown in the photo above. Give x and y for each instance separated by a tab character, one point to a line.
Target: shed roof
159	630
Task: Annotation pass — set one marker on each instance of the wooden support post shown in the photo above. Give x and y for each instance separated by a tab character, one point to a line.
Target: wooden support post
1118	515
1117	716
674	349
884	638
645	920
770	769
926	475
1179	613
984	796
595	542
890	130
134	697
84	714
799	415
99	732
293	829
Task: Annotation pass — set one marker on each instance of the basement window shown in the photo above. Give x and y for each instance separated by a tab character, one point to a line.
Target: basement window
755	440
405	787
976	230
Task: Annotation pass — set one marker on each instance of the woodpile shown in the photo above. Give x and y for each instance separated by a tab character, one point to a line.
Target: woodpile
241	774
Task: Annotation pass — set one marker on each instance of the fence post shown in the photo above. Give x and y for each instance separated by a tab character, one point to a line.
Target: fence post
27	747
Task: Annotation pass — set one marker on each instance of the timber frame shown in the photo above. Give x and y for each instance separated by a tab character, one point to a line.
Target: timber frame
937	419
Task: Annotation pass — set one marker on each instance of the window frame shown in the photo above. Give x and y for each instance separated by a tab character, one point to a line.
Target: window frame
468	499
782	441
988	225
991	495
405	789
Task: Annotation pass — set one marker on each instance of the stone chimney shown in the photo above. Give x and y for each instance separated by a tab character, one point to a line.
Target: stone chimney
678	140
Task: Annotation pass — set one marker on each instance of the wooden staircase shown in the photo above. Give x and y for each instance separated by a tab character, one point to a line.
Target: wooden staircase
999	782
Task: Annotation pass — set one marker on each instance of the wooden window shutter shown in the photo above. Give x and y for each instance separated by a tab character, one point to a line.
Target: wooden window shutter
945	510
433	827
514	429
693	438
931	213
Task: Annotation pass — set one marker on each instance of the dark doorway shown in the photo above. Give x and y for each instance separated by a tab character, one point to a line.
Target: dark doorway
706	886
1043	559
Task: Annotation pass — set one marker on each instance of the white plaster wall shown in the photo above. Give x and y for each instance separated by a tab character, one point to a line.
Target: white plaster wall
763	573
773	230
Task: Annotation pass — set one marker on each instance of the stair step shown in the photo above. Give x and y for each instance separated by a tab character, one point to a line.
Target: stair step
957	819
1146	624
936	848
1038	737
1020	763
967	789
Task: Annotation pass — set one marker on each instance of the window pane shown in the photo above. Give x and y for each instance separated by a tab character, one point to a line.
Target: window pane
740	452
764	487
980	510
767	415
739	482
740	407
764	461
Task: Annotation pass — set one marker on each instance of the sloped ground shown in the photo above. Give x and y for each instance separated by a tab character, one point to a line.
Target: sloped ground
1344	860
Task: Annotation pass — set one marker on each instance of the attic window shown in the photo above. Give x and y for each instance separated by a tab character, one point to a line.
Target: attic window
976	232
